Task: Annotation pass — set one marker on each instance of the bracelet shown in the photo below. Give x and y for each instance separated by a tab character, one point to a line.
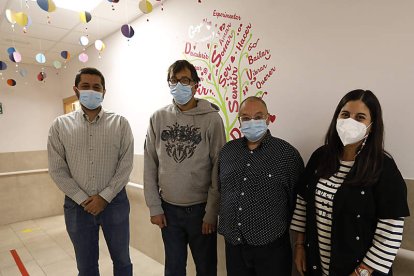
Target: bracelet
361	271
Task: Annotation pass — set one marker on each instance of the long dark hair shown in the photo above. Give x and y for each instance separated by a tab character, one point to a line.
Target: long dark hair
368	163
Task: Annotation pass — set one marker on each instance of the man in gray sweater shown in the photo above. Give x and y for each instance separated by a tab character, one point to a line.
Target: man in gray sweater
180	173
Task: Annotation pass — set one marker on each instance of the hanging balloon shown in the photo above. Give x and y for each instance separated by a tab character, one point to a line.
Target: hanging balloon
23	72
40	58
65	55
11	82
145	6
127	31
99	45
85	16
29	21
83	57
47	5
11	57
21	18
15	57
41	76
57	64
11	50
3	65
83	40
10	16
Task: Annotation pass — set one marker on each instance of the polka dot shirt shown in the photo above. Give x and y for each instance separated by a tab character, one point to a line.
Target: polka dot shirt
257	190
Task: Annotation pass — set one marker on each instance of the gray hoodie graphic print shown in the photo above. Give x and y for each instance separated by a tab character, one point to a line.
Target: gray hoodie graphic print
181	141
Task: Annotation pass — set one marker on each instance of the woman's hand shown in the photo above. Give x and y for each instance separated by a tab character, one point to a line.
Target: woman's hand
300	258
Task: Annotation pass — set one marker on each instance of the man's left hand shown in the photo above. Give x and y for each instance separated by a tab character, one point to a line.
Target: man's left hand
208	228
96	205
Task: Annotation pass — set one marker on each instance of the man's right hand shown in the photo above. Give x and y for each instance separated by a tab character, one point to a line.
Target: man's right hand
159	220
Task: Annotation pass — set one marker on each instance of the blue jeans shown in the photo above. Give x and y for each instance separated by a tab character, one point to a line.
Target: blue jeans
184	228
83	230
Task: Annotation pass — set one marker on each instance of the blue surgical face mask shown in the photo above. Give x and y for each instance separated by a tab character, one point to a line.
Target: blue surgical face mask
90	99
182	93
253	130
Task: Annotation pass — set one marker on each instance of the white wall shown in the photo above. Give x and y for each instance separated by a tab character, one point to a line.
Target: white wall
29	108
321	50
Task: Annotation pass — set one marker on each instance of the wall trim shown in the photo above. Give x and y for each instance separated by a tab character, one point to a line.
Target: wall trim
24	172
135	185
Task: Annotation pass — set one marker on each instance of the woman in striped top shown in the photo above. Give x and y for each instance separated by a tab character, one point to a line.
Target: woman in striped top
352	199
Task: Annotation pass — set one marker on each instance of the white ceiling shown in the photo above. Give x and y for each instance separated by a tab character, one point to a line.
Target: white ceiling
63	31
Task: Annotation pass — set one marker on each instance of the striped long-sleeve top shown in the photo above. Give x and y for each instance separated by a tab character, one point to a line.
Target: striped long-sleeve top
387	237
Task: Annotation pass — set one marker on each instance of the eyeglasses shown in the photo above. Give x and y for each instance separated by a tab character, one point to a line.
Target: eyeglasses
183	81
248	118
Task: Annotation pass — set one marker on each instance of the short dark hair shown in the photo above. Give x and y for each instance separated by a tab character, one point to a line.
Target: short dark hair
369	161
89	71
252	99
180	65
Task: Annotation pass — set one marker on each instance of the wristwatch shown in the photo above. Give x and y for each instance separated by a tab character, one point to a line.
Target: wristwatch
363	272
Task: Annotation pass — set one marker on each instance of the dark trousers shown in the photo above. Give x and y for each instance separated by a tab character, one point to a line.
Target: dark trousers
274	259
83	230
184	228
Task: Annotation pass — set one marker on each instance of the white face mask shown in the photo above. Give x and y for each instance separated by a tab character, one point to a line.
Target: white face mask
351	131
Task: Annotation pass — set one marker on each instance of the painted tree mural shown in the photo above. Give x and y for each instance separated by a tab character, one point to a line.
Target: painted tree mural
231	64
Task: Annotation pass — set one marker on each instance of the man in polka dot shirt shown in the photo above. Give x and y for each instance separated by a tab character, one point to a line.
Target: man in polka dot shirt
257	178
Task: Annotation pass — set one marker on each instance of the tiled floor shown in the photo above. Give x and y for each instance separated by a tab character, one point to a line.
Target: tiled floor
45	249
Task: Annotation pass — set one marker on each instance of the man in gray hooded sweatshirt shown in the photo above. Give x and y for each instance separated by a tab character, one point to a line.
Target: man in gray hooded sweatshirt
180	173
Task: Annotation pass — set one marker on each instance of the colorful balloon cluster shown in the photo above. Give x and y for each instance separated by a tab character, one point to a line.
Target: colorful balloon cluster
65	55
41	58
3	65
41	76
11	82
145	6
127	31
22	19
85	16
47	5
